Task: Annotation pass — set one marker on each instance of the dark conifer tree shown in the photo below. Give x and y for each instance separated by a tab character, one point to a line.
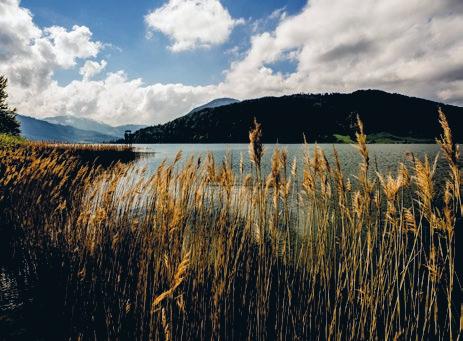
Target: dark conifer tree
8	122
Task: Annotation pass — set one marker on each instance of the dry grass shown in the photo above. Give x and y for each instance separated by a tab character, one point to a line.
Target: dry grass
97	154
199	251
81	146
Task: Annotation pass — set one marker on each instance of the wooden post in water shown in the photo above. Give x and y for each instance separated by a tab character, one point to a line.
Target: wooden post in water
128	137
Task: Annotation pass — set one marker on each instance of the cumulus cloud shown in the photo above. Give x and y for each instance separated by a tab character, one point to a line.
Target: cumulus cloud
29	55
117	100
69	45
192	23
412	47
92	68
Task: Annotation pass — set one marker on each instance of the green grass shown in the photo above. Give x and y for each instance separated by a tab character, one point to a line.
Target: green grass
7	140
343	138
382	138
386	138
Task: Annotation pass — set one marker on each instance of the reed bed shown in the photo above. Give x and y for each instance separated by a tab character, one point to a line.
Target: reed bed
199	251
98	154
81	146
102	154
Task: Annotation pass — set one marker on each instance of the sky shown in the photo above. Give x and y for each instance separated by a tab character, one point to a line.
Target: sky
150	61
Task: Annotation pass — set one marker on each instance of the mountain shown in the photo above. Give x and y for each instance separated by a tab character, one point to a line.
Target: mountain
320	117
93	125
35	129
219	102
104	132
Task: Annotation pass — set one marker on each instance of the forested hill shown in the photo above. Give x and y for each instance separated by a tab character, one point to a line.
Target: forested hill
323	118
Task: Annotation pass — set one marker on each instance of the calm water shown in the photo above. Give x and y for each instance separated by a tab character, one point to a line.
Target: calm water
15	292
386	156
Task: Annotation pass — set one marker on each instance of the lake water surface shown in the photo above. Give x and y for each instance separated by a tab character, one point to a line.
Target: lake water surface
385	157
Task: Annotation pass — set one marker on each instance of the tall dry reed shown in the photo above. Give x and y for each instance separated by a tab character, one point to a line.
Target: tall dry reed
199	251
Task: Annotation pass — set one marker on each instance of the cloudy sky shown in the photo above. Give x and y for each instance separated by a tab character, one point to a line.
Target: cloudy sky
148	61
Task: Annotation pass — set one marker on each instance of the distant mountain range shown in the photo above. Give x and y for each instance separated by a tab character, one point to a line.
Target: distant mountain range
35	129
67	128
71	129
388	118
92	125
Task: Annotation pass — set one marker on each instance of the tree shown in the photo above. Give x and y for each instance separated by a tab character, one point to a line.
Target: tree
8	122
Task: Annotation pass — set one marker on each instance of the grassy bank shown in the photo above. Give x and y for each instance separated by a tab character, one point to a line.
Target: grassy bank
198	251
10	141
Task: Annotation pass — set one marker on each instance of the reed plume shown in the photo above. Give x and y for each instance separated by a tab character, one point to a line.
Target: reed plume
204	249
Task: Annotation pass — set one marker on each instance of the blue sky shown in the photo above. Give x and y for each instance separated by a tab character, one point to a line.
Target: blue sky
121	24
150	61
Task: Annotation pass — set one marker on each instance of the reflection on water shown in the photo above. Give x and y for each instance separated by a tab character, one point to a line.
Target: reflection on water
386	157
16	294
9	295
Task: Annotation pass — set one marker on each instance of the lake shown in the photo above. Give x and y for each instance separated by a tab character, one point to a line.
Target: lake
385	156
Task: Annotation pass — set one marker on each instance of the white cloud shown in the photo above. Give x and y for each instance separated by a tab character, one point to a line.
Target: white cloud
92	68
29	55
192	23
452	93
412	47
264	24
69	45
278	14
117	100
